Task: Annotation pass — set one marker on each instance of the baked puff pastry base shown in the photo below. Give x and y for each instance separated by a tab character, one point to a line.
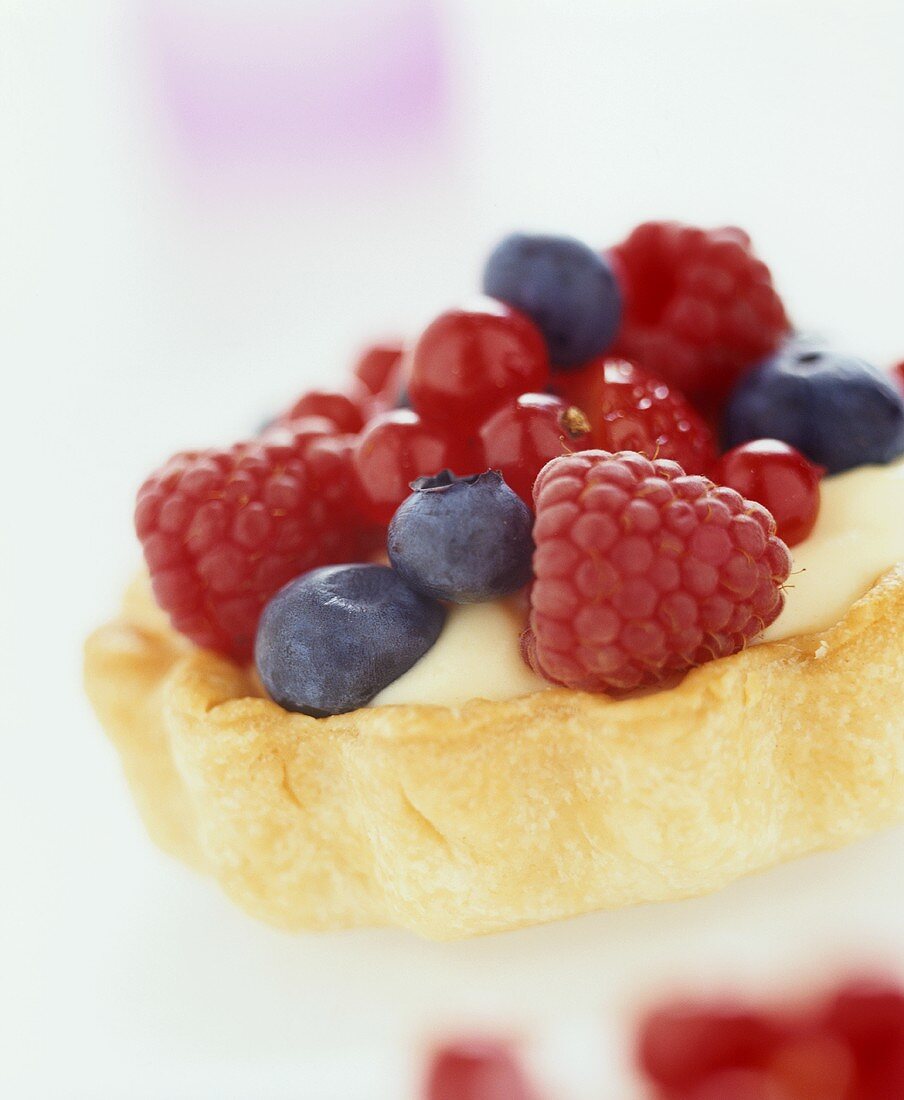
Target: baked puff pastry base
487	817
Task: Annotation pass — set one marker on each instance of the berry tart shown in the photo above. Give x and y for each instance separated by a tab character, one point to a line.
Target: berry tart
588	596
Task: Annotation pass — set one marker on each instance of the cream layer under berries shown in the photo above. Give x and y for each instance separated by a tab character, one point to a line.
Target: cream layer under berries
545	465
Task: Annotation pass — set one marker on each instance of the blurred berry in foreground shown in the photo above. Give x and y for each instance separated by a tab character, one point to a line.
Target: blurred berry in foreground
848	1047
476	1069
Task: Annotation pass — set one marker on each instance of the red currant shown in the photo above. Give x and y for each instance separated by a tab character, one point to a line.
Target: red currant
379	370
468	362
524	435
779	477
344	411
630	409
394	449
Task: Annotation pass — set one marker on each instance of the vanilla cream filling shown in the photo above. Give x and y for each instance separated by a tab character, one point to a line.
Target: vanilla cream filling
858	536
477	656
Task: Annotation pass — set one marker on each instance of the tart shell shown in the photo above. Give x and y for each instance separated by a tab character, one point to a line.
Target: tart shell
494	815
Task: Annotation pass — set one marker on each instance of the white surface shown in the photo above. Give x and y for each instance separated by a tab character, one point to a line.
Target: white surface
143	309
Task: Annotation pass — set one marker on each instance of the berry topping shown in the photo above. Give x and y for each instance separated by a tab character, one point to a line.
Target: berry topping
778	477
630	409
395	449
332	639
839	411
341	410
379	371
223	530
462	539
568	290
523	436
643	571
477	1069
469	361
700	308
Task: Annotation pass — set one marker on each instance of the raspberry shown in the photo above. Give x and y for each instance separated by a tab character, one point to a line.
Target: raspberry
897	373
779	477
522	437
468	362
395	449
222	531
630	409
700	307
642	570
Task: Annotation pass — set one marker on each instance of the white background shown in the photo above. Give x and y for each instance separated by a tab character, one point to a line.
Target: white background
150	302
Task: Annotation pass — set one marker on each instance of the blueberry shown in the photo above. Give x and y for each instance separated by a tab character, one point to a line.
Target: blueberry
332	639
568	290
464	539
839	411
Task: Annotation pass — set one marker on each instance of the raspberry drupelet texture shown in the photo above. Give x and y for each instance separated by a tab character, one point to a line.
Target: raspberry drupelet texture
700	308
222	531
642	571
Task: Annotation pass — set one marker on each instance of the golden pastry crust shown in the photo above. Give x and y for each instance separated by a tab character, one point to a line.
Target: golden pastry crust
456	822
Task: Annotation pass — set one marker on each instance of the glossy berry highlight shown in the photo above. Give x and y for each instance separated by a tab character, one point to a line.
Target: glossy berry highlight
780	478
630	409
525	434
568	290
468	362
642	571
332	639
395	449
462	539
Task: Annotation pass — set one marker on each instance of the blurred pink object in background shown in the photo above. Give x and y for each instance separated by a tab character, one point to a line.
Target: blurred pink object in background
317	83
